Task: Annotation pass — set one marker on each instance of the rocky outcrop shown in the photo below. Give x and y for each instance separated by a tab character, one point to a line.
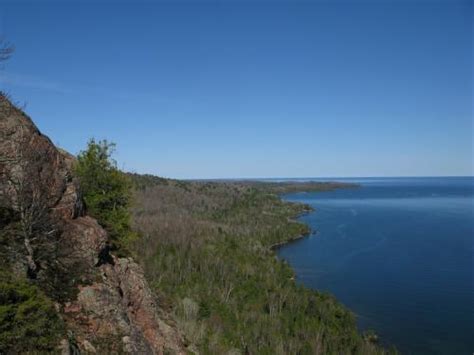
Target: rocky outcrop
112	309
121	306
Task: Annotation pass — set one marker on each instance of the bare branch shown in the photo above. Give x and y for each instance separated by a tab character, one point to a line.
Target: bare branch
26	189
6	49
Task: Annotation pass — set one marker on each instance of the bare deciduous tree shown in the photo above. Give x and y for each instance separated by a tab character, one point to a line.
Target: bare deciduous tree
25	190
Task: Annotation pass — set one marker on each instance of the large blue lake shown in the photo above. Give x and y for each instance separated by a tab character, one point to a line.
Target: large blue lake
399	253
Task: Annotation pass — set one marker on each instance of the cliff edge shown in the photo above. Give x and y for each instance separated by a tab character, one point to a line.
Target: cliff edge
104	301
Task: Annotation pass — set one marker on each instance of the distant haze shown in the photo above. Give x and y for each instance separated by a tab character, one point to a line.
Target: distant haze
251	89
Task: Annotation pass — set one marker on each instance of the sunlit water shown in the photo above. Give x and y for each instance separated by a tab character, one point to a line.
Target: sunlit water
399	254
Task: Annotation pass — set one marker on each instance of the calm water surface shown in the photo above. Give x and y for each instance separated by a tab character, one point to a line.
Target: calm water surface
399	253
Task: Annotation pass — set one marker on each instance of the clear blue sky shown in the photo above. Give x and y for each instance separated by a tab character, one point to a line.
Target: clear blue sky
251	89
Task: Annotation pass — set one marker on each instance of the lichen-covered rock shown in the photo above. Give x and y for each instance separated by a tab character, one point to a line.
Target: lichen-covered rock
113	309
87	238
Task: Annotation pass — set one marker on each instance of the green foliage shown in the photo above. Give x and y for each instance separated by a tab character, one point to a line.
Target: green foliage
207	248
28	320
106	190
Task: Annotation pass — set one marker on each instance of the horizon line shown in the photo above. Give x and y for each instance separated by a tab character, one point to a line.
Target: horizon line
321	177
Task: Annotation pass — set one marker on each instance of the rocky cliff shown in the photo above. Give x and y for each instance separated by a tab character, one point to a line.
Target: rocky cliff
104	300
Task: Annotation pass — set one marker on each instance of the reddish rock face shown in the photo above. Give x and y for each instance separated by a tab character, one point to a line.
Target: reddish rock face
113	309
23	149
122	305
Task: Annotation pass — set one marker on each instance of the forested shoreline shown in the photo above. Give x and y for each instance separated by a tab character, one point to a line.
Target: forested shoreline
206	248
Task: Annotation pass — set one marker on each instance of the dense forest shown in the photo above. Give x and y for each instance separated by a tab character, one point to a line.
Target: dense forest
207	250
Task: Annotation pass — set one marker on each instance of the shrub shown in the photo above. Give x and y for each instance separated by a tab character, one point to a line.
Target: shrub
28	320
